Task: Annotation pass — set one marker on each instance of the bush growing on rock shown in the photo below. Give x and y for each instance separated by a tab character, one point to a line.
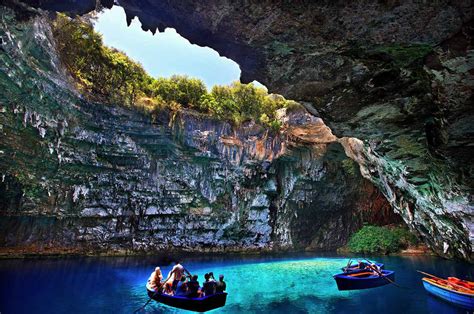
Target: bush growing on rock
385	240
179	88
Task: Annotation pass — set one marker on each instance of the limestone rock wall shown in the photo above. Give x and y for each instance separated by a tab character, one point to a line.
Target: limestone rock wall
396	75
78	177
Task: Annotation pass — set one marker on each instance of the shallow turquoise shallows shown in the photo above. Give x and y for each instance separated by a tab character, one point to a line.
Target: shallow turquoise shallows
267	284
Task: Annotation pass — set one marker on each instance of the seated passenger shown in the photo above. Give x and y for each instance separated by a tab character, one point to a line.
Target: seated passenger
193	287
362	265
168	285
209	286
181	287
221	286
155	279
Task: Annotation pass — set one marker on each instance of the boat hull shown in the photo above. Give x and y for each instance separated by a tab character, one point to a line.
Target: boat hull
459	299
191	304
346	282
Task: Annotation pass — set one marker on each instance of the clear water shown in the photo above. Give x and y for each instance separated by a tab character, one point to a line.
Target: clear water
283	284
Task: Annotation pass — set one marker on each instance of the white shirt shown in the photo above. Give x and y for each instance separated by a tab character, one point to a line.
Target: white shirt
178	271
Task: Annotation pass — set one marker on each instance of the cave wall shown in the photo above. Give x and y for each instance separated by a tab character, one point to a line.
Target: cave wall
80	177
394	78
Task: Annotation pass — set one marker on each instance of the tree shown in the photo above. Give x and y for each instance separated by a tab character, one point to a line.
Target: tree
110	76
104	73
181	89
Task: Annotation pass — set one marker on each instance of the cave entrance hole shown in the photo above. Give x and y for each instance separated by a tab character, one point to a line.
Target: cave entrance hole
167	53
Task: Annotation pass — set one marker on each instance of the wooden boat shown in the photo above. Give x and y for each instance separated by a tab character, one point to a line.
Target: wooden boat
460	282
363	279
203	304
453	290
355	267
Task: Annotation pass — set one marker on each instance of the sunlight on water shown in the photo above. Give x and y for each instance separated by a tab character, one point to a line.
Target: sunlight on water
258	284
255	286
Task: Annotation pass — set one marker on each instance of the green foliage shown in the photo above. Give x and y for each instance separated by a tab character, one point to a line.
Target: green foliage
374	239
241	102
275	125
105	73
404	55
208	103
349	166
281	49
109	76
405	236
30	184
181	89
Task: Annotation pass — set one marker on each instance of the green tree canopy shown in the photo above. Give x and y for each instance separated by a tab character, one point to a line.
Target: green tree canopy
110	76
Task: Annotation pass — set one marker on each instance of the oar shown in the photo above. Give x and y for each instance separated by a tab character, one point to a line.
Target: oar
348	265
447	281
151	298
154	294
189	274
422	272
381	275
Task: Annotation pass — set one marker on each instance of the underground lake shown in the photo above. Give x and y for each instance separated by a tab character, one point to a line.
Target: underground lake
297	283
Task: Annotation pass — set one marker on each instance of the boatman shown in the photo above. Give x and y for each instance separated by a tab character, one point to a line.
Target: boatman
177	272
375	268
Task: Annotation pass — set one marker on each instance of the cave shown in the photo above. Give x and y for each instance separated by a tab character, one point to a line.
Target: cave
342	146
384	135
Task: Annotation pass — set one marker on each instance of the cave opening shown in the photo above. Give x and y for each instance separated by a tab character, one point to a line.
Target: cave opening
274	149
165	53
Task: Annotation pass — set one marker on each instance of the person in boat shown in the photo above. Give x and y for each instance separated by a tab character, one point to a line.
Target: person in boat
155	279
182	287
375	268
193	287
362	265
168	285
176	273
209	285
211	277
221	285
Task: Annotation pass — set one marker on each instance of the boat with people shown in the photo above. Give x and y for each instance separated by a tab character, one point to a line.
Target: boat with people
198	304
184	291
453	290
360	266
364	279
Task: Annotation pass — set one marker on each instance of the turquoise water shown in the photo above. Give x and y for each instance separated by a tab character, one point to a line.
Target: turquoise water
282	284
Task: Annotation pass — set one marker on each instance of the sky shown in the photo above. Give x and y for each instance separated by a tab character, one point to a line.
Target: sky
166	53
